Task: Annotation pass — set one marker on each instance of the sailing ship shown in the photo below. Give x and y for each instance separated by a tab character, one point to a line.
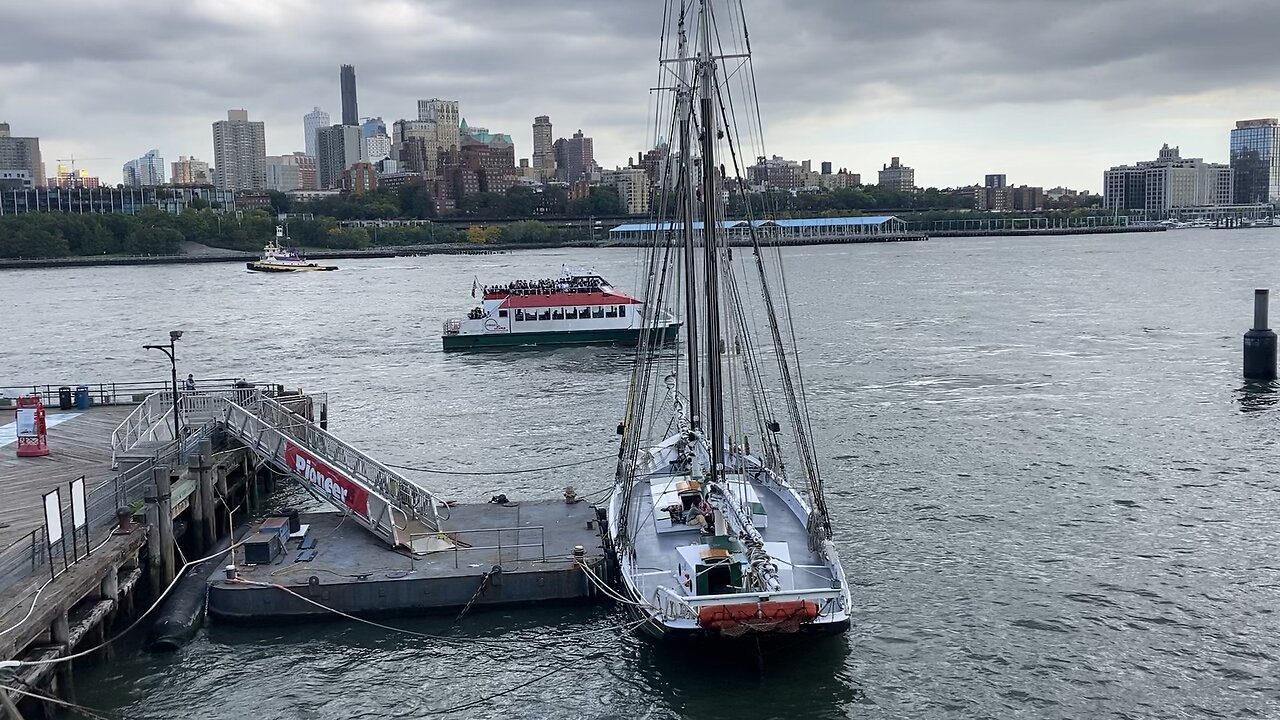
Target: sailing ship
278	258
717	521
578	308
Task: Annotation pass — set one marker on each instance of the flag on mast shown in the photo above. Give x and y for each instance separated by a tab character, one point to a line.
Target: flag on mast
475	283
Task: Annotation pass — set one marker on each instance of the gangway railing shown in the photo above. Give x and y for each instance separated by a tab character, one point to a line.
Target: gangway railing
394	508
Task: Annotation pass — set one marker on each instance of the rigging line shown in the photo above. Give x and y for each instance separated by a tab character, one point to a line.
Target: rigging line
481	701
500	472
81	709
177	576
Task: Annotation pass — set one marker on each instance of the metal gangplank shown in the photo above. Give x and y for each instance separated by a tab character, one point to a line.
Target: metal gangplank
396	509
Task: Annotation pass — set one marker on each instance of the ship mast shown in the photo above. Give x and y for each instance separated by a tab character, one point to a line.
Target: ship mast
684	109
710	261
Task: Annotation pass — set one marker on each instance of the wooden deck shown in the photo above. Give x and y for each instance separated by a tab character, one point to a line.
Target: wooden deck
78	445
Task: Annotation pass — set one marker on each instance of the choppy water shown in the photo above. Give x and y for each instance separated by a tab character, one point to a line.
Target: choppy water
1049	490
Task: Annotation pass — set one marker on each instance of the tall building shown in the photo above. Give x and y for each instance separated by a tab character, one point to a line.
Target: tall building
296	171
995	181
377	147
1255	159
146	171
633	188
189	171
70	178
444	113
338	147
575	158
1169	181
311	122
776	173
896	176
21	154
350	115
544	157
826	167
372	126
239	152
416	145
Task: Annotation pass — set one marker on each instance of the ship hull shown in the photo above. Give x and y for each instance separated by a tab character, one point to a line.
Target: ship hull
612	336
269	267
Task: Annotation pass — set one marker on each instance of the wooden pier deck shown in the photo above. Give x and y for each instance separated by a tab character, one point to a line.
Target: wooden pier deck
79	444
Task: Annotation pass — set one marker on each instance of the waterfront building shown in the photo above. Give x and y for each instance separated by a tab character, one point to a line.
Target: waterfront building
21	154
359	178
347	77
544	157
145	171
444	113
1169	181
633	187
377	147
239	152
71	178
416	145
896	176
189	171
776	173
311	122
296	171
842	180
1255	160
575	158
826	167
338	147
129	201
11	180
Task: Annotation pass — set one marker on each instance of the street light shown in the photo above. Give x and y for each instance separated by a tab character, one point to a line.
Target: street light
173	365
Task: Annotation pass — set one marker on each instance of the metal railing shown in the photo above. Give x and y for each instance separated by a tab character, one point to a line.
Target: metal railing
500	547
676	606
102	393
31	558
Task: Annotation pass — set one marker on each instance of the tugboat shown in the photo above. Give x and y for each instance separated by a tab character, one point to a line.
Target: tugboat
276	258
578	308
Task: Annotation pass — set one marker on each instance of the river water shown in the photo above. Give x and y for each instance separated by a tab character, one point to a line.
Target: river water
1050	491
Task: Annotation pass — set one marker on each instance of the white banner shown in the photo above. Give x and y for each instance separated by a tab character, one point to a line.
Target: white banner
78	518
26	422
53	516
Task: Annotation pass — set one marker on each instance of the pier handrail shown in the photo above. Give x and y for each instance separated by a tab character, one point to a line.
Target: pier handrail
151	420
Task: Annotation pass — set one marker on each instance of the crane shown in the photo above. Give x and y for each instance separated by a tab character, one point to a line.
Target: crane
73	159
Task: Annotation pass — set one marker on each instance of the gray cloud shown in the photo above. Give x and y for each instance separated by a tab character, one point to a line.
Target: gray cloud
114	79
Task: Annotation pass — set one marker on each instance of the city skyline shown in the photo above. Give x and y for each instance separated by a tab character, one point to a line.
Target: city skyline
1041	93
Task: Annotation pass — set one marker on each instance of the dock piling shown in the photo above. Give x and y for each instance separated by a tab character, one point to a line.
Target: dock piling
1260	342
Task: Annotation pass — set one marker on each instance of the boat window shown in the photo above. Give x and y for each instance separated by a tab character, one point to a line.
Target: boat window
622	311
519	315
557	314
613	311
544	315
502	313
571	314
598	312
584	313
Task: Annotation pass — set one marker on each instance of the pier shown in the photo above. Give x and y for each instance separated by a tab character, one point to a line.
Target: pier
157	493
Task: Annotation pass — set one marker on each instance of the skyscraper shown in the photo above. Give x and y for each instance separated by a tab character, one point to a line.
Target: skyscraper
21	153
445	115
544	158
1170	181
338	147
146	171
311	122
350	116
1255	159
189	171
575	158
239	152
896	176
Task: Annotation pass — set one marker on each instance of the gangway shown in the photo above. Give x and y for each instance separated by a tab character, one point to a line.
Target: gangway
397	510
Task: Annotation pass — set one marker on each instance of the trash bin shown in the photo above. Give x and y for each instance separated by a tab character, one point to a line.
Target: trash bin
64	398
82	397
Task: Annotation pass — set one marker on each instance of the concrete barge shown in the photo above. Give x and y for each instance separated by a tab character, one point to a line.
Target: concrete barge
504	554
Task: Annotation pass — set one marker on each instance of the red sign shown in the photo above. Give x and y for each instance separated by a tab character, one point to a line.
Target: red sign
328	481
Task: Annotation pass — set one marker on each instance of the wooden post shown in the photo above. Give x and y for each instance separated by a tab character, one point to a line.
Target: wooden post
155	570
164	528
10	709
60	633
207	479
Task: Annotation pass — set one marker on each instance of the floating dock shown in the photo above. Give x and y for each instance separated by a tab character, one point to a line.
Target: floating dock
506	554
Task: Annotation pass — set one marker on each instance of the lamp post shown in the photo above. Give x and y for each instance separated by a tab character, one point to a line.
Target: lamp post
173	365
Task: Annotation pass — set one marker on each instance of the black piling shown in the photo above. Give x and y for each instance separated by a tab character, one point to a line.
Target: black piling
1260	342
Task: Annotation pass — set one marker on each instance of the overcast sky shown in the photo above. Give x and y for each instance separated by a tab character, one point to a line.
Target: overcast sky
1049	93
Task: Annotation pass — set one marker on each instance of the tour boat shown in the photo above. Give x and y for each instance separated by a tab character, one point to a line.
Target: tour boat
718	525
276	258
578	308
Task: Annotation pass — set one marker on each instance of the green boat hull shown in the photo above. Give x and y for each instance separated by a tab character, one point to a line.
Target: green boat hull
556	339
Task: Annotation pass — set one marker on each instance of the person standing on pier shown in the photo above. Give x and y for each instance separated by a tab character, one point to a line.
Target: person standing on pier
190	383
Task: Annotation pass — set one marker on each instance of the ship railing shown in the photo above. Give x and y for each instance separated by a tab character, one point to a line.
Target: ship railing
452	327
678	606
498	545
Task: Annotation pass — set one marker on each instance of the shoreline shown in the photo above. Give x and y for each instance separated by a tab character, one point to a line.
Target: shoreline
220	255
